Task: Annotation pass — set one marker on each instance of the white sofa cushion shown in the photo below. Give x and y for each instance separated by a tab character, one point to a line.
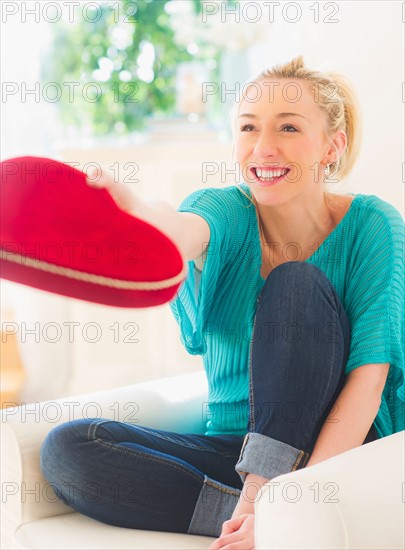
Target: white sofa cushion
354	501
77	531
174	403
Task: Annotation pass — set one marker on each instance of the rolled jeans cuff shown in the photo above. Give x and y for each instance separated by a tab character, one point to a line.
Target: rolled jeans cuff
268	457
215	504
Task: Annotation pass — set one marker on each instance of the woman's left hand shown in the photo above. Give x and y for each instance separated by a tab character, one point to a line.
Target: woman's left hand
237	534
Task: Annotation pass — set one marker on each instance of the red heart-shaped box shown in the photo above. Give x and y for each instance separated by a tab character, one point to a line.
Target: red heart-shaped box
60	235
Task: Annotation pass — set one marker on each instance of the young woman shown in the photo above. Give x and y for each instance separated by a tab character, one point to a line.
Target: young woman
294	298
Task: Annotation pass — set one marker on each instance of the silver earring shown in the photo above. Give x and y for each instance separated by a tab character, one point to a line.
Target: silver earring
326	170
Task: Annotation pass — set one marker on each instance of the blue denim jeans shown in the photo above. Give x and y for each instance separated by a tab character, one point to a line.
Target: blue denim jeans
137	477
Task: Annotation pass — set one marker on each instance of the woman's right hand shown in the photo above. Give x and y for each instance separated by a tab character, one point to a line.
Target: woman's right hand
156	212
122	195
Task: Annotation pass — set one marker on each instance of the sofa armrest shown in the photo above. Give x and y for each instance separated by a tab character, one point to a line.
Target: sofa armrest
174	403
354	500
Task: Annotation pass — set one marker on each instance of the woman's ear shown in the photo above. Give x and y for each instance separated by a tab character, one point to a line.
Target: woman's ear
336	147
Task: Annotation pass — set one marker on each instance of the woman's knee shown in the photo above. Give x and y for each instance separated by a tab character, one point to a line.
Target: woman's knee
63	445
297	271
296	288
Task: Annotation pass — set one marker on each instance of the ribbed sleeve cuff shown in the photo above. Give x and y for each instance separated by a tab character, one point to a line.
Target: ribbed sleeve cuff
268	457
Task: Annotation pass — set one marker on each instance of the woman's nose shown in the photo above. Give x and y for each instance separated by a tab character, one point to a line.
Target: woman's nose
265	146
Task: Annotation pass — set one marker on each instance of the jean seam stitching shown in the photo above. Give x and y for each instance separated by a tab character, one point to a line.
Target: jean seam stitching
115	447
252	418
333	355
298	460
93	426
167	438
221	488
184	444
91	432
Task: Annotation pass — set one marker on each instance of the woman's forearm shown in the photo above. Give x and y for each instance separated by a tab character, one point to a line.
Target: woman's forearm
156	212
349	421
248	497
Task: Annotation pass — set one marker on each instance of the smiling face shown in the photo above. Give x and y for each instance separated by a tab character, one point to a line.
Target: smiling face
281	142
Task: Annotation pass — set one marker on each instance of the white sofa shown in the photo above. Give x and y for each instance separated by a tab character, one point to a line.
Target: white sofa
352	501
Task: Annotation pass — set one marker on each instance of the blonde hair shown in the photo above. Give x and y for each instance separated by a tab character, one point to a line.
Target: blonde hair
337	99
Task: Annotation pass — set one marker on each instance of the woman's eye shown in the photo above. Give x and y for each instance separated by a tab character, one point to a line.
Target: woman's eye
246	128
289	126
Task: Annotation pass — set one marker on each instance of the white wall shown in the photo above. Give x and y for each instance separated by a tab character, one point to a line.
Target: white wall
366	45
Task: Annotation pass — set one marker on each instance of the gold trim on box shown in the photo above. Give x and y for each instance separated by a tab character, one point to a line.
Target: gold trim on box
89	277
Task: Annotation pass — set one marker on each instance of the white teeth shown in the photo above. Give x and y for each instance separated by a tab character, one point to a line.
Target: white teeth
270	173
